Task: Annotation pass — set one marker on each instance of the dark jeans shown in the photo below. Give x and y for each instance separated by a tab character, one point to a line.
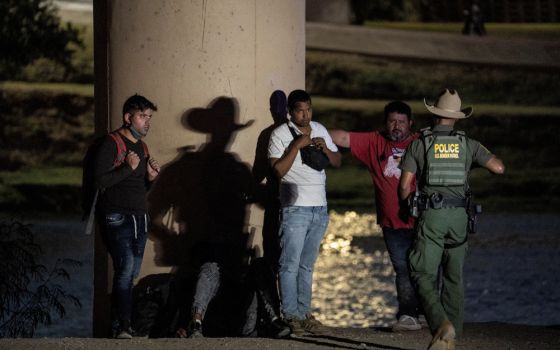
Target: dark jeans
399	242
125	236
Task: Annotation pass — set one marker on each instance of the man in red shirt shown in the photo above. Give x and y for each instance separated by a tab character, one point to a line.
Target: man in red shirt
381	152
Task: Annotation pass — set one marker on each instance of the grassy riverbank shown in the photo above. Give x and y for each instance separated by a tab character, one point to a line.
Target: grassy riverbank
47	128
523	136
541	31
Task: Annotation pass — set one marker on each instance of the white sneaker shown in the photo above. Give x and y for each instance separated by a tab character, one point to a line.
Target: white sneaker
407	323
123	335
423	321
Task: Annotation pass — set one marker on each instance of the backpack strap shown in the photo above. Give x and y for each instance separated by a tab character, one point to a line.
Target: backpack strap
91	215
121	148
146	152
426	131
427	138
292	131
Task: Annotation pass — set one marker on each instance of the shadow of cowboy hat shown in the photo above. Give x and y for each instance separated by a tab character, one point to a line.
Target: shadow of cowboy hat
219	117
448	105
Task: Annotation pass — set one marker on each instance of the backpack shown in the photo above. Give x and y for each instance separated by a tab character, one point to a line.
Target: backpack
446	158
89	190
155	308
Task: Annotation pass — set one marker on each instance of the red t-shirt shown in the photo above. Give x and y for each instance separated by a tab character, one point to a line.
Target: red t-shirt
382	157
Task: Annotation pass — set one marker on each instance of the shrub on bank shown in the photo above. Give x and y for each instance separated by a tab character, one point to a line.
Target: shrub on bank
353	76
43	127
526	147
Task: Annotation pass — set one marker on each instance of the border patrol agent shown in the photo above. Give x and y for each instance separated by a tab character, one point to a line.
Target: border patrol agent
441	160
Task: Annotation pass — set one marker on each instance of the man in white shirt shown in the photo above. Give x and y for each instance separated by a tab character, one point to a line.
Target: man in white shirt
304	206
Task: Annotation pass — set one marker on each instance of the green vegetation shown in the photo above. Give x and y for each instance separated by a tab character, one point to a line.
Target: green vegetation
376	106
517	115
47	126
85	90
41	36
79	68
524	140
513	30
30	293
357	77
45	176
43	137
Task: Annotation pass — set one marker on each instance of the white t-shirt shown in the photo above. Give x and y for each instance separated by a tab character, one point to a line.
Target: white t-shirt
302	185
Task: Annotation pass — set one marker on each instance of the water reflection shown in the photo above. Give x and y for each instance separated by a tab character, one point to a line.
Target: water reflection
353	283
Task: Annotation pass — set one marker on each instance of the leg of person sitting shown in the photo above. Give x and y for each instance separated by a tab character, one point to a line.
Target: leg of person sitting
207	286
266	293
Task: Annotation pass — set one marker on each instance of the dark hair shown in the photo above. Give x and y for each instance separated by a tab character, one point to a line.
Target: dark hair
137	103
398	107
297	96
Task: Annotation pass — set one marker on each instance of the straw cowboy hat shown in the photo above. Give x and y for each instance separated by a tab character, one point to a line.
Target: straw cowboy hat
448	105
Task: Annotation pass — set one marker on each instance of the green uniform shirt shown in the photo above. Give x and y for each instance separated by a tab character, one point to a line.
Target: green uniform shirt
414	159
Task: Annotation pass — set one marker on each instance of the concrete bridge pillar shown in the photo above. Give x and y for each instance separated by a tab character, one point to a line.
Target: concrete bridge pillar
211	67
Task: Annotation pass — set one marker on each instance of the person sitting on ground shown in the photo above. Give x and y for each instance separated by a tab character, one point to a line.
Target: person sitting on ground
253	287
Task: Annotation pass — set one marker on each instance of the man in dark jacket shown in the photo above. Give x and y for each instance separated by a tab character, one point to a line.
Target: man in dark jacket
123	171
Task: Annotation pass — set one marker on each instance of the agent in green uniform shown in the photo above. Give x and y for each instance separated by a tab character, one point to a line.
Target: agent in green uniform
441	160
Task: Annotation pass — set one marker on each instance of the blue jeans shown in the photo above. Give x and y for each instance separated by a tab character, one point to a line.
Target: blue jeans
125	236
399	242
301	232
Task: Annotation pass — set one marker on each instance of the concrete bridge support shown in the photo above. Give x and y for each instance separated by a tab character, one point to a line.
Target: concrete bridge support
211	68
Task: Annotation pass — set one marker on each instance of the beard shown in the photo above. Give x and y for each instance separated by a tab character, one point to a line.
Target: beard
397	135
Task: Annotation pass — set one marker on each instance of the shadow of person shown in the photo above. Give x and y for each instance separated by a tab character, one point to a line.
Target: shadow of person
198	205
261	171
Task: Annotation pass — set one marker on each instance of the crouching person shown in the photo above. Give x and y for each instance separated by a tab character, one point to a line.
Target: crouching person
241	296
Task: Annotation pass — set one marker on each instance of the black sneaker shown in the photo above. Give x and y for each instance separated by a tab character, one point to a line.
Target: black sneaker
195	329
279	329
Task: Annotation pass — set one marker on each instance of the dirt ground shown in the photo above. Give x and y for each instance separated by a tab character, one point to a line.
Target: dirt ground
488	336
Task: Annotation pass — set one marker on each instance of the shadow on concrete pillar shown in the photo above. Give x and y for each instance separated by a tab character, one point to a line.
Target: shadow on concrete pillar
225	56
262	170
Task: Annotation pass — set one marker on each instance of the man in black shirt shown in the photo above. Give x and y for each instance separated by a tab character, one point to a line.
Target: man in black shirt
123	172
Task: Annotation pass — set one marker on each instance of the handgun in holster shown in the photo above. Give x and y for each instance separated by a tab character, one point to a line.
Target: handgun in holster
473	209
416	204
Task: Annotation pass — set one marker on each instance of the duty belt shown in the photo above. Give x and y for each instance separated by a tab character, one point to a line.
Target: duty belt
448	202
438	201
419	202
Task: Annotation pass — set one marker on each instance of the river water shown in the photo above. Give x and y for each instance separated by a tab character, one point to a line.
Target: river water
511	272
